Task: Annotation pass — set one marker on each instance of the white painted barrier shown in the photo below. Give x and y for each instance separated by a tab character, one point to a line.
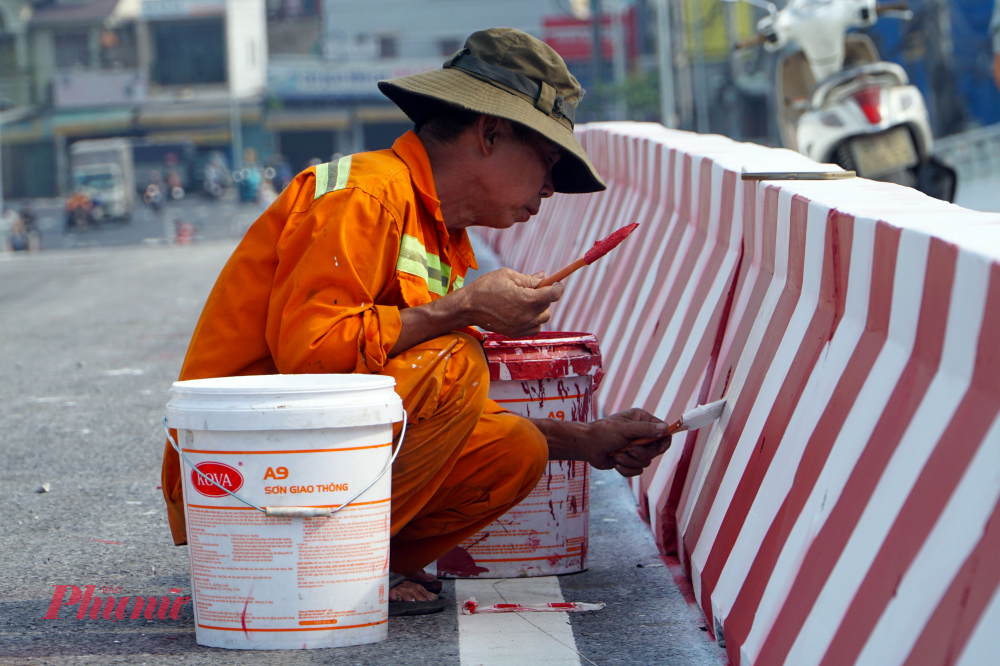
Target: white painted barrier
842	510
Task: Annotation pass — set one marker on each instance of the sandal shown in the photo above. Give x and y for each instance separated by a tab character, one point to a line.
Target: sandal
434	586
405	608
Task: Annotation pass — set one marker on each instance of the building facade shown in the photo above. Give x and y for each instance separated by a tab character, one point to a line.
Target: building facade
325	99
158	71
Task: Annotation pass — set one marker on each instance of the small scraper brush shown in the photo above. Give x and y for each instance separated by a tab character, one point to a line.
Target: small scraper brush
601	248
699	417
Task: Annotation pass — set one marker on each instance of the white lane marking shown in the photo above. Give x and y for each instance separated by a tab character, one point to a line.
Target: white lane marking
514	639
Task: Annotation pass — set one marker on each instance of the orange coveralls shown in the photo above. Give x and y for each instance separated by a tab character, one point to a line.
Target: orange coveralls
316	286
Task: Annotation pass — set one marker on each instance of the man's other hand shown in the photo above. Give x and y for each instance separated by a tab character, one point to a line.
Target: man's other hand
507	302
606	437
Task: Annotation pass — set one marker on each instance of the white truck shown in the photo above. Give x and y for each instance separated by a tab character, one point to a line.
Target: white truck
104	171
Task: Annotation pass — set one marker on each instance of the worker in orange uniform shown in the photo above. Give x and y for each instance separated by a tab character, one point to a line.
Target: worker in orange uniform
359	267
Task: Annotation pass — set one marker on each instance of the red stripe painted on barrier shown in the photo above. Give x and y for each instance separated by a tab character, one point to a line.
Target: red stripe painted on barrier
775	331
580	288
690	344
663	302
649	239
751	287
822	327
828	427
622	349
600	278
665	507
825	550
927	500
623	273
661	235
948	629
762	357
688	326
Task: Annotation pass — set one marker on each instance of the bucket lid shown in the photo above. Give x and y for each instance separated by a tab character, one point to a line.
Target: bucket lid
547	355
283	402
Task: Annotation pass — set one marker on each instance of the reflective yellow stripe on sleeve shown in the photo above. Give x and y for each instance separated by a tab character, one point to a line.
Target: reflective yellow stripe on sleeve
415	260
341	172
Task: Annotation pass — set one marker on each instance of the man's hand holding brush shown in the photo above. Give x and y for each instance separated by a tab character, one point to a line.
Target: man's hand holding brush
621	436
608	443
503	301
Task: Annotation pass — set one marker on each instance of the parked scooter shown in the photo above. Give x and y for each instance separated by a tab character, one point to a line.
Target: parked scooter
838	102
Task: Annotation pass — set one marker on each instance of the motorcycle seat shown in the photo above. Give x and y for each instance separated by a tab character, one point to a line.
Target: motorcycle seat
846	81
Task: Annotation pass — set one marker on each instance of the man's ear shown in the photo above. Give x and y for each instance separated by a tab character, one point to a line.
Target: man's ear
490	131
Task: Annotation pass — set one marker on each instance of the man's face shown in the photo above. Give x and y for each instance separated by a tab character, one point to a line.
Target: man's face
514	180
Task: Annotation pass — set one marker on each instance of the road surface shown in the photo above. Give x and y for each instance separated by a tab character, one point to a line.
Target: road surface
90	341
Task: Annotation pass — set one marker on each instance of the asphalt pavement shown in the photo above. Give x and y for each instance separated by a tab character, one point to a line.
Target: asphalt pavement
90	341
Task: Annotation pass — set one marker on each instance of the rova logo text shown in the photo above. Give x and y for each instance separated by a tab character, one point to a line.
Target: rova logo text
204	473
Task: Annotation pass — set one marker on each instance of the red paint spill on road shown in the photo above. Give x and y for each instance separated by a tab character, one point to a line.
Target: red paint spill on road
458	562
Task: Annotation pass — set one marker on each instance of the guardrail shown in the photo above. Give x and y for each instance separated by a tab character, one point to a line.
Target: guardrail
845	507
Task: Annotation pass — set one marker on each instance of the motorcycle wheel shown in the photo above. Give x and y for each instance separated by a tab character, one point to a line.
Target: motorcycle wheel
937	179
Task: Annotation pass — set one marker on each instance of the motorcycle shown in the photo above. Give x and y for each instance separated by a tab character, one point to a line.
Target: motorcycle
838	102
212	181
153	196
174	187
79	212
155	193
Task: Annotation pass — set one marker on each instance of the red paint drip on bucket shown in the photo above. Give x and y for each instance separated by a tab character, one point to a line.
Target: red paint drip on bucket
549	375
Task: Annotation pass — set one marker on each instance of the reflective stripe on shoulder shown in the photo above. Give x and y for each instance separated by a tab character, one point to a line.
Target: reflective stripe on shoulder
415	260
332	176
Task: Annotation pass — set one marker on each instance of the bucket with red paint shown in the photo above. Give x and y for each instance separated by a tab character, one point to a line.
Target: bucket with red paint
551	375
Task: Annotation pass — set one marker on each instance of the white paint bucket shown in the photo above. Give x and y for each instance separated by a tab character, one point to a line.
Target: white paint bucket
553	375
269	583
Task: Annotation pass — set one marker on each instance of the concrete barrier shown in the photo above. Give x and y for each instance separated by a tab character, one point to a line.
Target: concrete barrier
841	510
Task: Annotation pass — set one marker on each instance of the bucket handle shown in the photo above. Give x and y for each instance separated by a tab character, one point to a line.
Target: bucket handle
295	511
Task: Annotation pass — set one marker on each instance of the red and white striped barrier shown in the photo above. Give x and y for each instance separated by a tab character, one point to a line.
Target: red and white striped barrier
842	509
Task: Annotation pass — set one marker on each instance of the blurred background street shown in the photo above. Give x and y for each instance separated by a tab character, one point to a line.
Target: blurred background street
113	109
210	220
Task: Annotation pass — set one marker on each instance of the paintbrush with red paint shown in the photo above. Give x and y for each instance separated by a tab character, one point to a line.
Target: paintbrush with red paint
601	248
699	417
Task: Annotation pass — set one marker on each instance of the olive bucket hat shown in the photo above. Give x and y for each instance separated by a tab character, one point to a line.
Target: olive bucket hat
509	74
